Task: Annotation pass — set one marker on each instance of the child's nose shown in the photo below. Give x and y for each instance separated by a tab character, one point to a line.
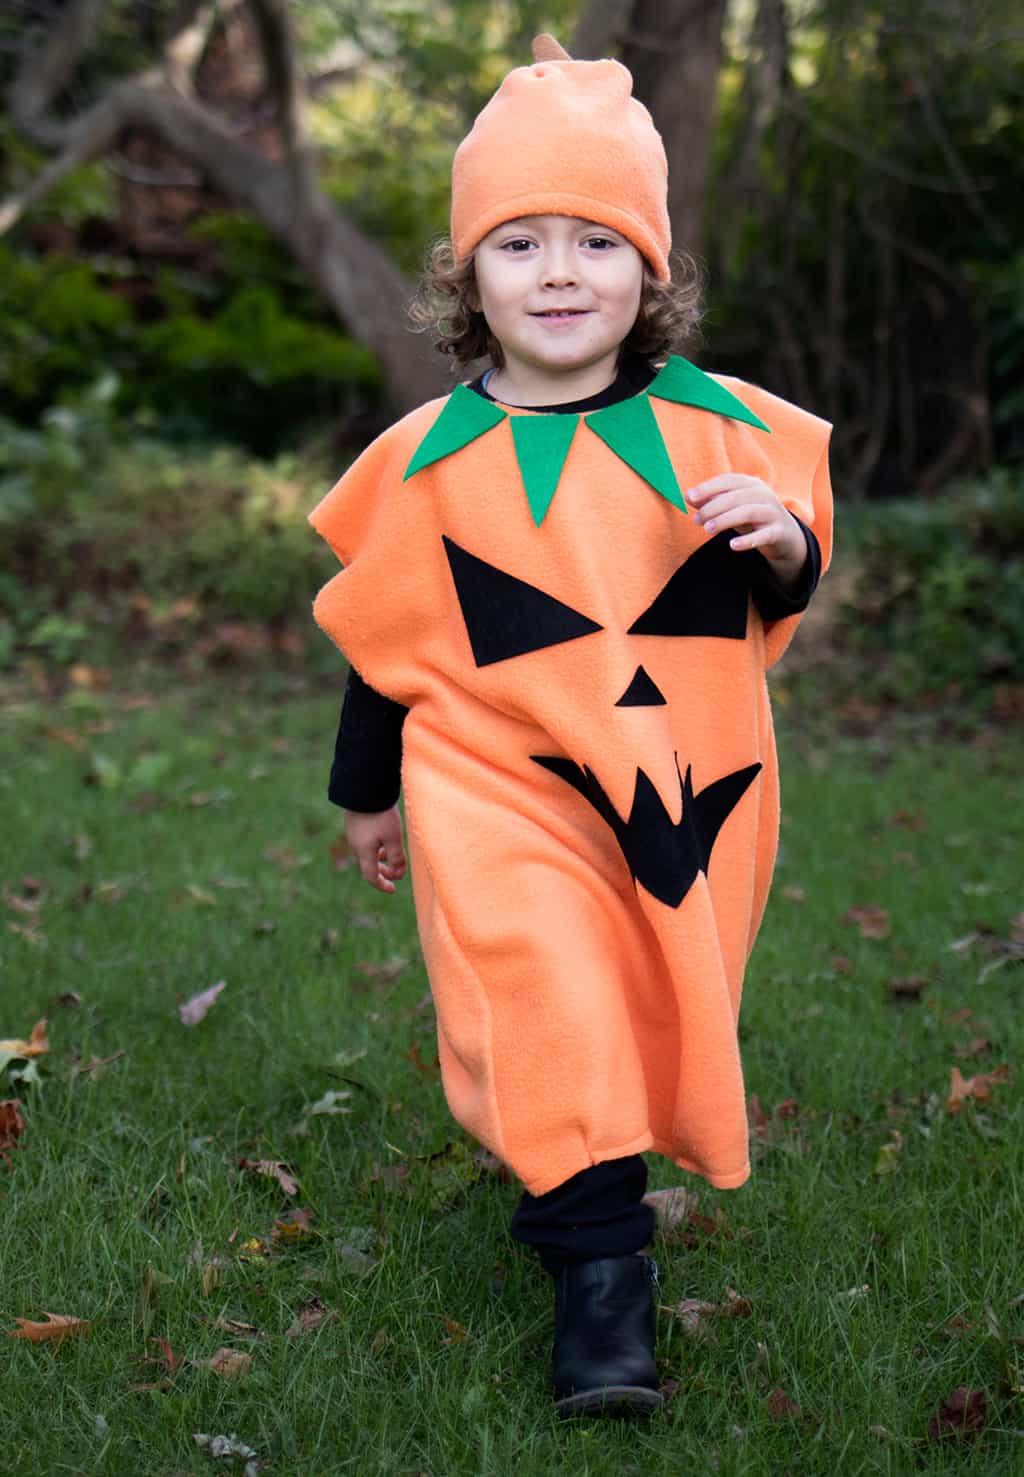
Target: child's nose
559	267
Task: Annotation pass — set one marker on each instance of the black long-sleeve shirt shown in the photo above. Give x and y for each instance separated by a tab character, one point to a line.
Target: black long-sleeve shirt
366	772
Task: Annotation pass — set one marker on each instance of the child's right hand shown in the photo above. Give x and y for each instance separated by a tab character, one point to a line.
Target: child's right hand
378	846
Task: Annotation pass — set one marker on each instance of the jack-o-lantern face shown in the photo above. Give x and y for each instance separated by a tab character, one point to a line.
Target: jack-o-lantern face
508	617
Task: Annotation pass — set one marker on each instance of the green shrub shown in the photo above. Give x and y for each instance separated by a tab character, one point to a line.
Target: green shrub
939	600
107	538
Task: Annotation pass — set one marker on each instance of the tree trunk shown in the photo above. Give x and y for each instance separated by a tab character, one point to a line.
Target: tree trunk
674	50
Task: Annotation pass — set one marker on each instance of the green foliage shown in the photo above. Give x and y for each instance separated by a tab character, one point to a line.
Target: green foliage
59	325
98	528
261	367
939	603
243	366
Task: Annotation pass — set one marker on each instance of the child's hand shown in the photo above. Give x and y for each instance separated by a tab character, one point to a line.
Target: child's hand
734	500
377	845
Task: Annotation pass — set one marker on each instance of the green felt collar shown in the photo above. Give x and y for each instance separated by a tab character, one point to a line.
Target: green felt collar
542	440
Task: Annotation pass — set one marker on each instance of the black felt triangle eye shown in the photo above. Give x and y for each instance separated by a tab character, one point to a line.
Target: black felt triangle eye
707	596
505	616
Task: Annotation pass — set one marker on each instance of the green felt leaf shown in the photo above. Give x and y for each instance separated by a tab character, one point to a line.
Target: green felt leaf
466	415
632	432
683	382
542	443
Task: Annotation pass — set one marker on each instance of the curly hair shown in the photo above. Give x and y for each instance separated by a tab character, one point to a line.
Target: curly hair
667	320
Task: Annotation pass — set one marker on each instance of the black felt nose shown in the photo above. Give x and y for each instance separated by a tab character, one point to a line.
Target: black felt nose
642	692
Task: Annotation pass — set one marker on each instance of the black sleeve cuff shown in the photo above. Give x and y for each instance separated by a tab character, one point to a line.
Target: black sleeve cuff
367	769
773	600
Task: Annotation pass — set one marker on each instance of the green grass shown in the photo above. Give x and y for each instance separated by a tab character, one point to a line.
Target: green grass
187	840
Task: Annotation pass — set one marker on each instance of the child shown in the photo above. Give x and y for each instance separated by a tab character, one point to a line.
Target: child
568	579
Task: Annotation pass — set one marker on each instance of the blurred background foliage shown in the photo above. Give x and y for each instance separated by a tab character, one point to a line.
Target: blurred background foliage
168	366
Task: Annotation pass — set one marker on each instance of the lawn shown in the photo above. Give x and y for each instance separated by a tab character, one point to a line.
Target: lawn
160	841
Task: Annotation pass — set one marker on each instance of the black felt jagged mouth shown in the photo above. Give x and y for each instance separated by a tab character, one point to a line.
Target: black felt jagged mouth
663	855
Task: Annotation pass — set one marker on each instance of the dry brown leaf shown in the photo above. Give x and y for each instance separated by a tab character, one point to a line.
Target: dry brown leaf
977	1046
781	1407
960	1416
872	921
311	1315
907	989
340	853
36	1045
293	1228
167	1358
230	1364
273	1169
692	1313
840	964
431	1068
12	1126
193	1011
979	1088
387	972
456	1333
673	1207
60	1326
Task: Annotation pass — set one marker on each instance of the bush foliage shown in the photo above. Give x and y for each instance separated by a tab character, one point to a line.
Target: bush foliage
938	607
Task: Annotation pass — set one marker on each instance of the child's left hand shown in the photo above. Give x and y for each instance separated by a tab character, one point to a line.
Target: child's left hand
734	500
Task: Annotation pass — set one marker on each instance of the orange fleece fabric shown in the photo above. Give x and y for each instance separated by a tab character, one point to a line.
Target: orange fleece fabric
589	869
564	138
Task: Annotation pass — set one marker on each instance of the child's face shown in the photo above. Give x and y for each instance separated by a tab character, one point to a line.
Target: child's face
533	265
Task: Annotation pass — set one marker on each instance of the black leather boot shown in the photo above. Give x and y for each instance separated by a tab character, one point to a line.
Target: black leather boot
603	1356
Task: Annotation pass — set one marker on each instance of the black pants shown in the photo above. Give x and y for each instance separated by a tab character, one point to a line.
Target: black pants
597	1213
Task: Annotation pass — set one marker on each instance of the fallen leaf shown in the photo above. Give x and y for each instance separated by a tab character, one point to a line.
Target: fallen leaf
70	999
794	894
780	1407
907	989
60	1326
692	1313
230	1364
957	1326
960	1416
387	972
353	1259
429	1068
672	1207
167	1358
978	1046
888	1154
329	1106
979	1088
193	1011
16	1049
456	1333
840	964
311	1315
340	853
293	1228
872	921
12	1126
222	1446
273	1169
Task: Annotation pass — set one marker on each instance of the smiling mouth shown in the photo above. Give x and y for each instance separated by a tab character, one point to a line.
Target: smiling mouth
562	313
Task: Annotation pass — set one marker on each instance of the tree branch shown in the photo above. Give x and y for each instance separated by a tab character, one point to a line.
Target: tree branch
285	81
45	72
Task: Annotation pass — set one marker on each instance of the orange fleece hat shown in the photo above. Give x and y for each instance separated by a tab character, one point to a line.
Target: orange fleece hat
564	138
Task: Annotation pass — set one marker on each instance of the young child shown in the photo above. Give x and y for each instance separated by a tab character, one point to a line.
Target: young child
562	586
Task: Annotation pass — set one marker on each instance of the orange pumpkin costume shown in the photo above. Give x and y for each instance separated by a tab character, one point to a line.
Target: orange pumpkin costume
589	767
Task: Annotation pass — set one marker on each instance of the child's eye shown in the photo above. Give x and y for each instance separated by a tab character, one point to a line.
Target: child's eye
600	242
515	244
